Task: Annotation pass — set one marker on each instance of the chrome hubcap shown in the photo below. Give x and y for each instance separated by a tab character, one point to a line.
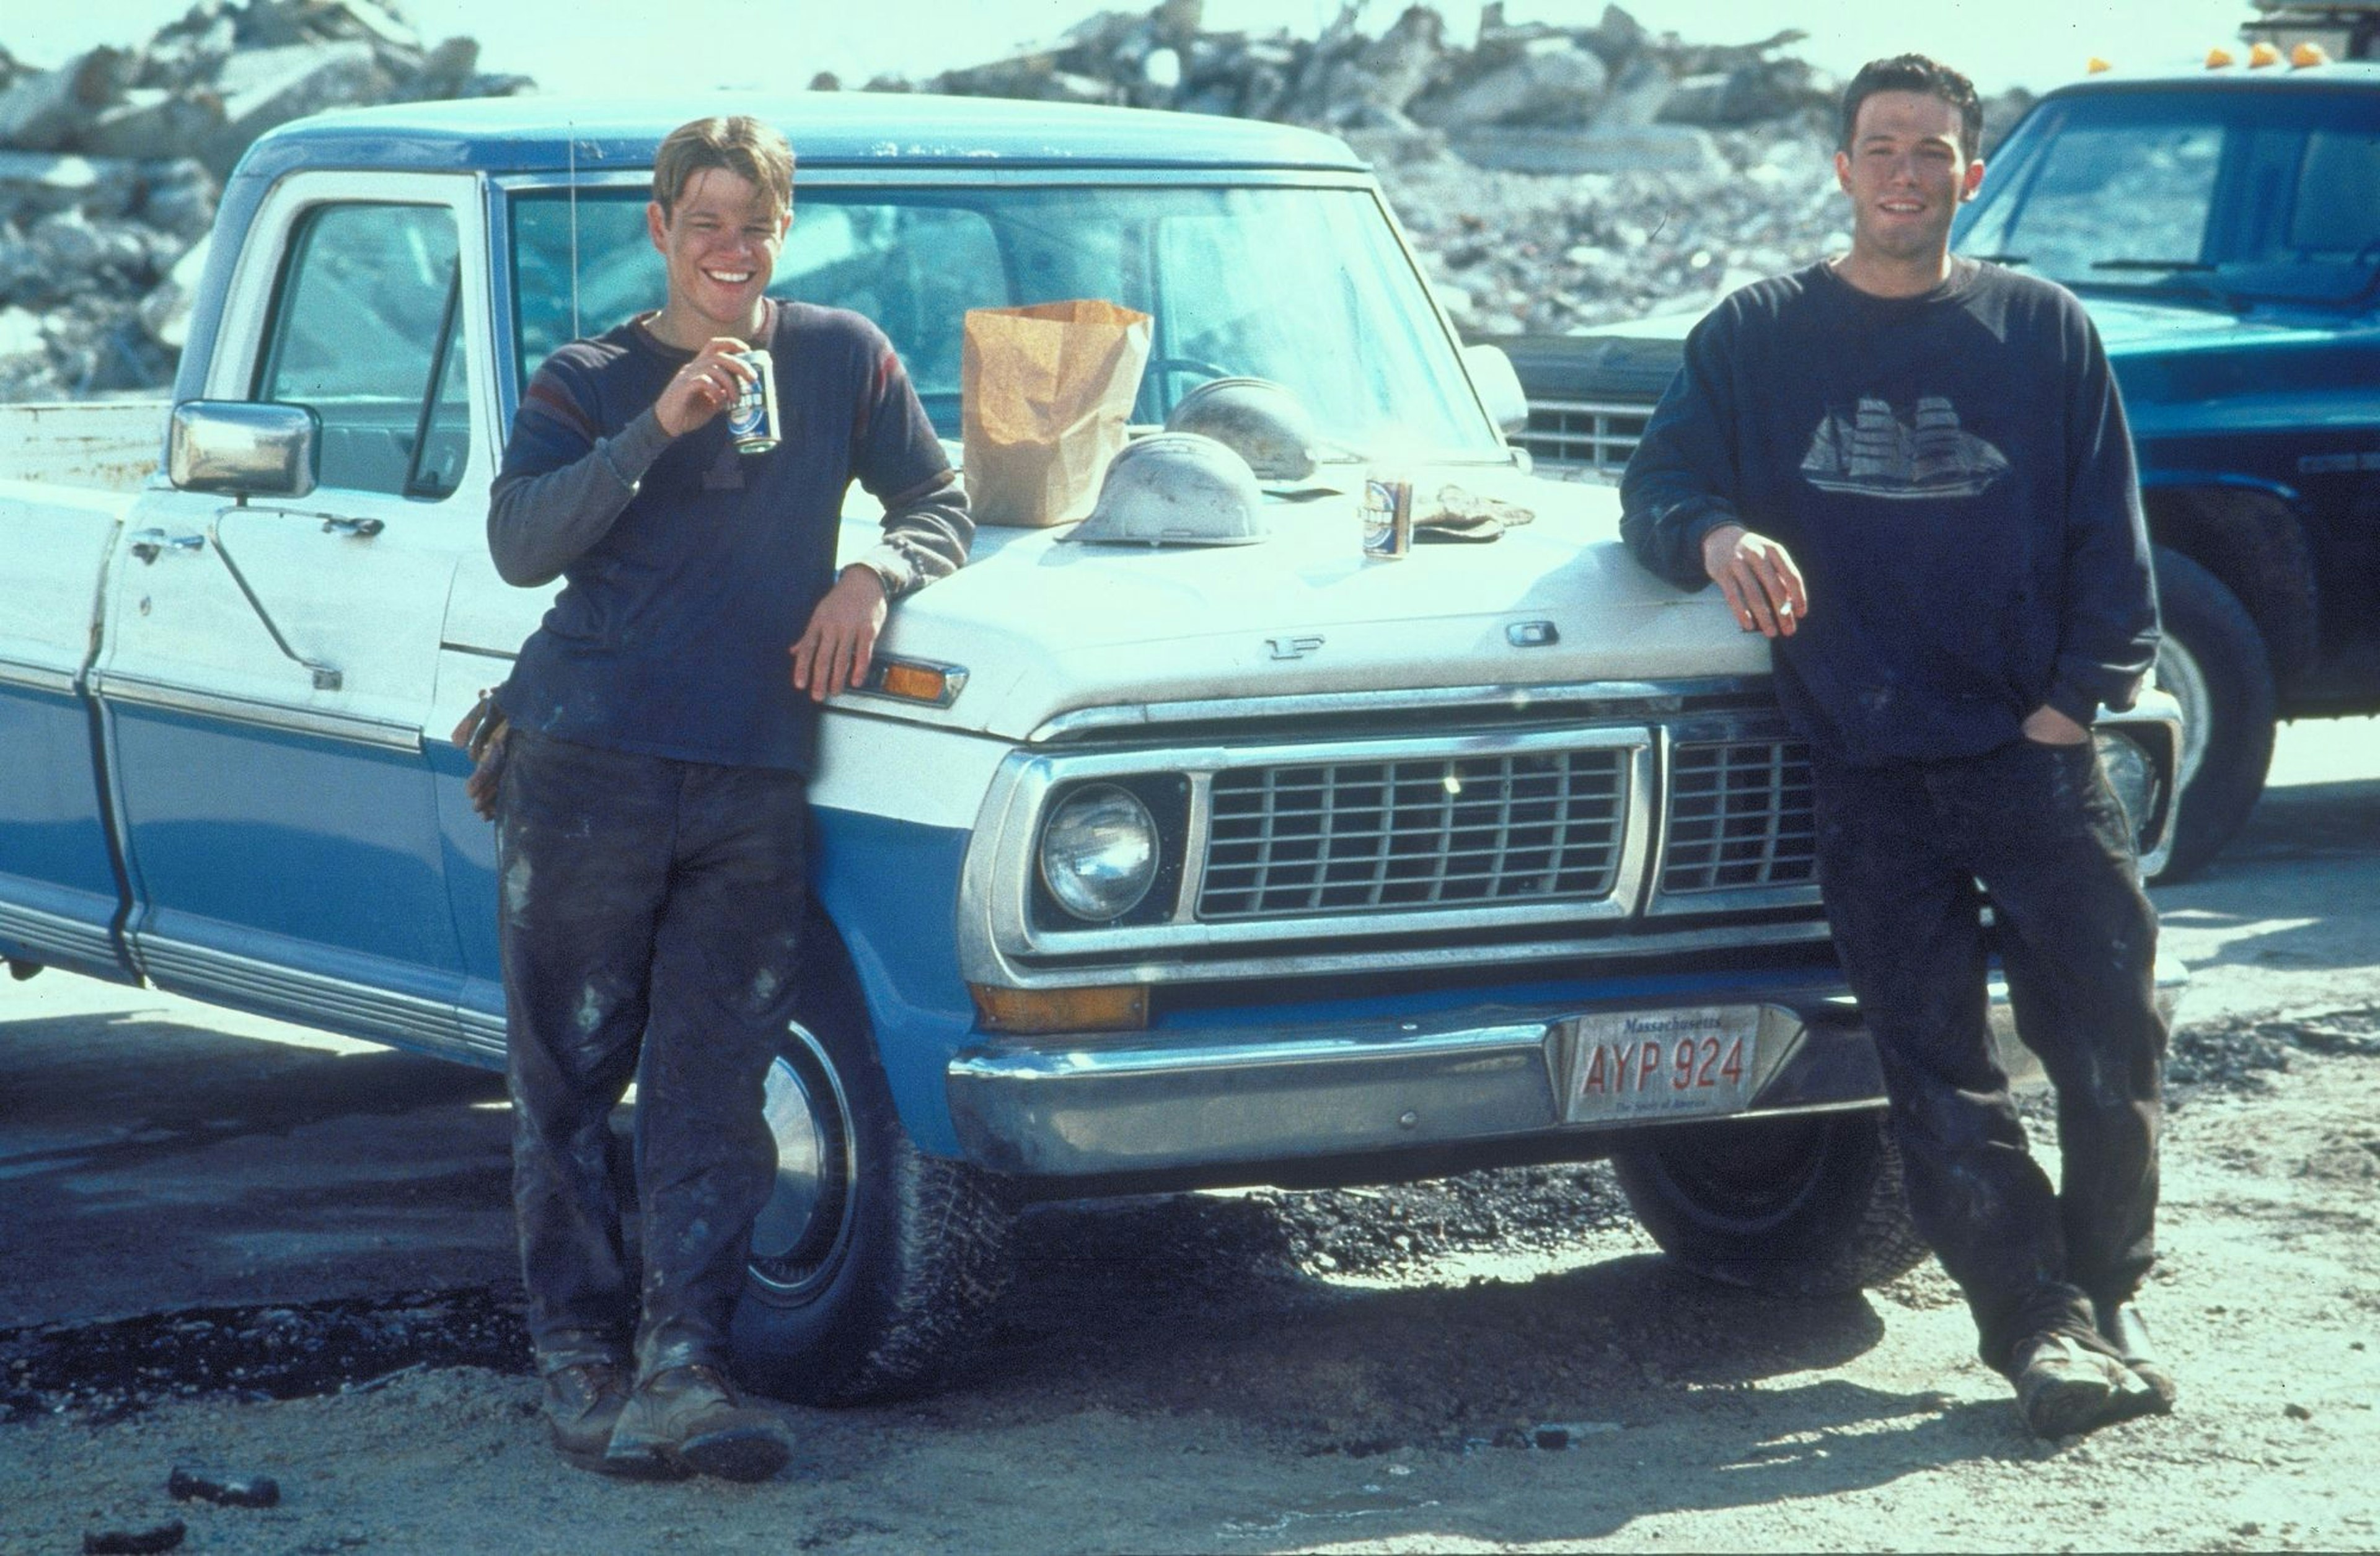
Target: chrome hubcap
2179	674
800	1236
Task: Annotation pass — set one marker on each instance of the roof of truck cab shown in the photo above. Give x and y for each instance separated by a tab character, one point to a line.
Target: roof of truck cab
541	134
2356	75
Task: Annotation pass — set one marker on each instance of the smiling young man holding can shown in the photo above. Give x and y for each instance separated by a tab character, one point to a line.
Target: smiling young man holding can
651	812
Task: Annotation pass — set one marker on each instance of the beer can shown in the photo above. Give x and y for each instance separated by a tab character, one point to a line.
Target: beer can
1388	517
752	419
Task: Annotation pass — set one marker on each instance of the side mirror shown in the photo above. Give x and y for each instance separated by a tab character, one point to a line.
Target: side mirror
1500	387
244	448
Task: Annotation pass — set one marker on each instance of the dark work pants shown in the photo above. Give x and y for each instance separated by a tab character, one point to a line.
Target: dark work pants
1901	851
651	911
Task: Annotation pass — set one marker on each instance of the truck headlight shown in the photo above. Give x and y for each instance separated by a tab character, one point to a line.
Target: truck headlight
1099	853
2132	774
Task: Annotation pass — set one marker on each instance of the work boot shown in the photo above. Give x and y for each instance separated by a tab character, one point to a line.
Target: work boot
582	1404
689	1418
2064	1386
2121	1326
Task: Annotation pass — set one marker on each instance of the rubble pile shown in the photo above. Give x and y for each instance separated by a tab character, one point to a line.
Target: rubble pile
110	165
1555	178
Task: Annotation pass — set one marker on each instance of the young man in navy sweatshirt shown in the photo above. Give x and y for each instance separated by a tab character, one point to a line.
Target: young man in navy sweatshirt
651	817
1911	472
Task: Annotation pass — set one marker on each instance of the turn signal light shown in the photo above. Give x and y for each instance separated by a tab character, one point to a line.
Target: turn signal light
2097	67
2262	55
1107	1008
914	680
2217	58
2306	55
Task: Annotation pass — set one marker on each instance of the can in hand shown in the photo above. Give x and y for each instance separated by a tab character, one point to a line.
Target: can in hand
752	419
1388	517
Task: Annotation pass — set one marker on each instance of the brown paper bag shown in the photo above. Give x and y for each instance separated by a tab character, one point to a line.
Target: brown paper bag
1048	391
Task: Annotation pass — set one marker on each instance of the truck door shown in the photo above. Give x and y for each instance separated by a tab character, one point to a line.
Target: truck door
270	669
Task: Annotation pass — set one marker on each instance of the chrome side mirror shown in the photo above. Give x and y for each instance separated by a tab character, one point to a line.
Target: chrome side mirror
1500	387
244	448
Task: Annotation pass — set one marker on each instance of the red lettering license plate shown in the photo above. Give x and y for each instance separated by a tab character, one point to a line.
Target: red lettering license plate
1664	1063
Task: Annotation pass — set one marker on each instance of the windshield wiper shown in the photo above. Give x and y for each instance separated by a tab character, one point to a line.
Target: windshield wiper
2003	258
2192	275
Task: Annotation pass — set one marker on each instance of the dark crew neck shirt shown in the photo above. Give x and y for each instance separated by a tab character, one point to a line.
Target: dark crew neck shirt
1953	474
691	569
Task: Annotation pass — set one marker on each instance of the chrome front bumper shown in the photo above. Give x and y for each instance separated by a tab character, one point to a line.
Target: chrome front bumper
1104	1104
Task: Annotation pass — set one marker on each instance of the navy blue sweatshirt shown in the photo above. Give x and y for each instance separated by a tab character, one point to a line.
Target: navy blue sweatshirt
691	569
1952	473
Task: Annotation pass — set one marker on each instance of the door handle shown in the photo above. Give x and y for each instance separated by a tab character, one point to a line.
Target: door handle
149	544
354	528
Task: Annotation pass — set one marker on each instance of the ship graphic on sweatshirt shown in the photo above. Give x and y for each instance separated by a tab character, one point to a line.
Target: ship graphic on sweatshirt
1871	452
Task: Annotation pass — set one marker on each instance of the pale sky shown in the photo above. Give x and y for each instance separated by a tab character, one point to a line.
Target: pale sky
615	46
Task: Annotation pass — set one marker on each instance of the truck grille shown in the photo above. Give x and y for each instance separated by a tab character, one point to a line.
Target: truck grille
1596	435
1338	837
1740	817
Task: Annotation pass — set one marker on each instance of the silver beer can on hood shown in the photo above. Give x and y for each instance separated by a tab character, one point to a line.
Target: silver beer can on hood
752	419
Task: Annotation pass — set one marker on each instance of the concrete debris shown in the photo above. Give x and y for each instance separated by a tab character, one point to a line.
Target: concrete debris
167	1536
1555	178
1535	73
165	312
223	1489
111	166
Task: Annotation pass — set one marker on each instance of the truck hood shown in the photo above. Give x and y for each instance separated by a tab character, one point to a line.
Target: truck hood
2132	326
1046	627
2129	325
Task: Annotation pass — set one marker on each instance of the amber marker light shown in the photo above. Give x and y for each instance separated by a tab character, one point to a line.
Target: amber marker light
2096	65
2218	58
2262	55
2307	54
1122	1007
914	680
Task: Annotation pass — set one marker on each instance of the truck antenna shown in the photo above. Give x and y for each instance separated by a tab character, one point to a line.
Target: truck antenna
575	331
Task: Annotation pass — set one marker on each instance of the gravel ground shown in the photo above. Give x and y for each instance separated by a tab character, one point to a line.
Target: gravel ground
1495	1362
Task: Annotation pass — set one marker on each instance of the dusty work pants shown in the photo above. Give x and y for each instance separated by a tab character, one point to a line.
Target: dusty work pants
1901	851
651	911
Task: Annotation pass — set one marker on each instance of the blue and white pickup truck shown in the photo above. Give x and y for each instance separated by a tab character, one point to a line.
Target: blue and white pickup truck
1137	869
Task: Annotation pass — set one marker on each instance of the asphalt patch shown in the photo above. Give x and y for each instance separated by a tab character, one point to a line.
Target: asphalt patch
106	1372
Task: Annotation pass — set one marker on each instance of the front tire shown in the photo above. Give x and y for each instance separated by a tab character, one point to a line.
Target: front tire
1807	1206
872	1264
2215	665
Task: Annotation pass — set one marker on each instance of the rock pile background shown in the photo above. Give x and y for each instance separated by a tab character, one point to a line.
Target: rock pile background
1553	177
110	165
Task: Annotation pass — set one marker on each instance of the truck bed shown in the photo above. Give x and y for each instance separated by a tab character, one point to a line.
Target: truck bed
110	445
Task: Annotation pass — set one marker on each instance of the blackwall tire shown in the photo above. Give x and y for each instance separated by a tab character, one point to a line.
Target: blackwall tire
1800	1207
2215	663
873	1264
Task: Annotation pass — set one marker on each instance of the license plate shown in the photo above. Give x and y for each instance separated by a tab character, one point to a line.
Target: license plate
1663	1063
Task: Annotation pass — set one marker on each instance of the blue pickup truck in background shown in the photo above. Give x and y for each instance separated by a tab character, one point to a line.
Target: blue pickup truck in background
1138	867
2223	227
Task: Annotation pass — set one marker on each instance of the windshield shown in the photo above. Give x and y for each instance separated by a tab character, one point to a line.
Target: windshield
1305	287
2234	196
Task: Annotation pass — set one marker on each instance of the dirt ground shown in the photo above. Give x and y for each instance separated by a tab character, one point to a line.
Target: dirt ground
232	1245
